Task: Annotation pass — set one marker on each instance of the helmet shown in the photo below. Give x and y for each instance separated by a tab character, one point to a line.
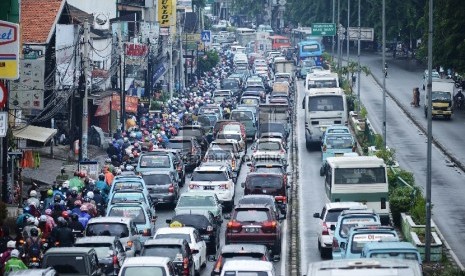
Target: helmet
48	212
65	214
101	177
77	203
57	198
65	184
14	253
49	192
43	218
90	195
74	217
34	232
26	209
61	221
33	203
33	193
31	220
84	208
87	199
11	244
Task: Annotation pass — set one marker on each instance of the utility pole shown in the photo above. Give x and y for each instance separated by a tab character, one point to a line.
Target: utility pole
348	25
85	115
334	22
170	44
358	58
339	35
384	73
121	76
181	56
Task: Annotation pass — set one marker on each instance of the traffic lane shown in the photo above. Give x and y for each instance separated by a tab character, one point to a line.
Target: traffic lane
312	196
403	76
410	146
165	212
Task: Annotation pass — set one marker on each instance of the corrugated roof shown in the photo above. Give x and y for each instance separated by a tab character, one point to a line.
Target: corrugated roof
38	19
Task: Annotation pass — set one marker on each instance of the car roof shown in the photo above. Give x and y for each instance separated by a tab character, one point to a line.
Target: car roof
177	230
197	212
252	206
361	265
156	172
124	220
197	194
389	245
248	265
65	250
353	211
269	140
213	168
34	272
341	205
146	261
252	174
167	241
96	239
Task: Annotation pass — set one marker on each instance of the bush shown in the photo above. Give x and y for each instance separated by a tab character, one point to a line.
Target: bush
387	155
418	209
400	200
209	60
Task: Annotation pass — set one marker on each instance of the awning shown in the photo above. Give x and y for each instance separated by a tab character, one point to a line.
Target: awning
35	133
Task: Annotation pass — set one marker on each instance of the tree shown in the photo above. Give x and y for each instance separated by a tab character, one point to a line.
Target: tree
207	61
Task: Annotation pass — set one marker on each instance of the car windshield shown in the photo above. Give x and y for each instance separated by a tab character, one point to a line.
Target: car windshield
326	103
350	222
322	84
127	185
265	181
439	96
193	220
233	136
180	144
359	240
226	147
134	212
230	84
269	146
155	161
196	201
182	236
207	120
170	251
257	200
241	116
395	255
127	196
250	101
246	273
232	127
209	176
253	215
156	179
143	271
68	264
339	142
103	249
119	230
241	256
333	215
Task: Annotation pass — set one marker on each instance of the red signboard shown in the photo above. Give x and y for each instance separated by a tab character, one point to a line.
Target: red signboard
131	103
136	49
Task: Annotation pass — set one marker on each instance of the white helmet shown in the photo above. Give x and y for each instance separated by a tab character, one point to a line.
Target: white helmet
43	218
14	253
90	194
33	193
11	244
65	184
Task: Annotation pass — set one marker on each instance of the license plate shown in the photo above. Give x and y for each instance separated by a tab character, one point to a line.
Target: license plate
323	129
439	111
251	230
338	154
208	188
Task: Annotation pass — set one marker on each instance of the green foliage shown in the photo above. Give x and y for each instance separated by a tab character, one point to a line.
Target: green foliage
407	177
379	143
208	61
363	113
447	270
418	209
388	155
400	200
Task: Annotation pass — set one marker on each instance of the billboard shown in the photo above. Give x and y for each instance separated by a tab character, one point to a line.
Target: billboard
65	38
27	92
9	50
165	12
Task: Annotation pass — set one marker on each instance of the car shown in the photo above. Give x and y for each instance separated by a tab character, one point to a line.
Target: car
230	133
128	195
231	84
133	182
271	148
204	222
253	223
247	117
328	217
160	160
198	132
221	94
359	236
191	235
277	135
72	261
229	125
248	267
177	250
238	251
148	266
231	145
190	150
335	145
200	200
110	252
34	272
179	164
162	187
142	217
348	219
262	200
211	109
219	156
250	100
273	127
208	121
121	227
274	184
215	179
391	249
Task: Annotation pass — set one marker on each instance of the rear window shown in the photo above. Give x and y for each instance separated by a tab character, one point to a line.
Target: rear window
181	236
102	249
242	116
143	271
176	144
209	176
395	255
218	155
170	251
107	229
333	215
64	264
190	132
134	212
252	215
156	179
246	273
196	201
359	240
350	222
133	196
265	181
233	136
155	161
269	146
339	142
268	170
126	185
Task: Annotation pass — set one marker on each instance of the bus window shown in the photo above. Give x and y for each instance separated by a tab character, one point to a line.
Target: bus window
326	103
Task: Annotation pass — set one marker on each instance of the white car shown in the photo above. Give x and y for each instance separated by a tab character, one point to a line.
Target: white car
229	133
147	266
216	179
191	235
272	148
248	267
326	219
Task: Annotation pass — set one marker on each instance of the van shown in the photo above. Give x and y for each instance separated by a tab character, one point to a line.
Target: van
72	261
391	250
248	267
442	95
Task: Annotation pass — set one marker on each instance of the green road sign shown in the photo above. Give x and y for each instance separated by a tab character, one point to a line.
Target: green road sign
324	29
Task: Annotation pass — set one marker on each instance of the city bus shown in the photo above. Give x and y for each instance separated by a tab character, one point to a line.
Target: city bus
245	35
279	41
361	179
310	49
300	34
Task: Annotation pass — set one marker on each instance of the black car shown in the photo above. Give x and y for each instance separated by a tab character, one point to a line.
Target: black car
190	150
177	250
162	187
231	84
238	251
198	133
205	222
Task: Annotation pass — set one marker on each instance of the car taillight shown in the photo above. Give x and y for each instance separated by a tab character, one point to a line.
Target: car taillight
234	226
325	230
324	148
34	259
218	265
115	260
269	226
224	186
335	245
282	199
193	186
147	232
185	265
171	189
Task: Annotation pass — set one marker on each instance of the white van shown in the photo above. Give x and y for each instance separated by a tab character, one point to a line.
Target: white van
248	267
365	267
321	79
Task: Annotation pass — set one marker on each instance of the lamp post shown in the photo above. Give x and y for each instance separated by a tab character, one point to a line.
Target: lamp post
347	33
334	21
197	61
384	73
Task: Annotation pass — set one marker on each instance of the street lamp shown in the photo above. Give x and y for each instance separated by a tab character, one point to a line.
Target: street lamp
197	61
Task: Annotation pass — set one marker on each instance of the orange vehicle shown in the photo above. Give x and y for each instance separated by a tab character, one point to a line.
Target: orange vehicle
279	41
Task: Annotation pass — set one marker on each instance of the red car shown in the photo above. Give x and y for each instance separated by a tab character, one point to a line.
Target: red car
254	224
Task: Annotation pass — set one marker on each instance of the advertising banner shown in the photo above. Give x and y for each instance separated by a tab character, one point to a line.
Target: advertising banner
27	92
131	103
165	9
9	50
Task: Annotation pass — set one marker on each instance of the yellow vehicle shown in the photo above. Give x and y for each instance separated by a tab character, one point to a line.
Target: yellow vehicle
442	96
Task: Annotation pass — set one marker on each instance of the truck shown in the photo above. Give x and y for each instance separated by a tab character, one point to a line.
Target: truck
273	118
442	96
262	42
283	66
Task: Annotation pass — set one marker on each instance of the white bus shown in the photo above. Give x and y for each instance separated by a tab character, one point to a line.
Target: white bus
323	107
321	79
361	179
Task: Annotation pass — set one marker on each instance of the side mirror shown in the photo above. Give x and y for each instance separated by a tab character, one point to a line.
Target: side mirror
333	227
243	184
316	215
194	251
168	221
211	258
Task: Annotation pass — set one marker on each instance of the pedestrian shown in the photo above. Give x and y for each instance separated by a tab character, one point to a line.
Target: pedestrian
354	79
417	96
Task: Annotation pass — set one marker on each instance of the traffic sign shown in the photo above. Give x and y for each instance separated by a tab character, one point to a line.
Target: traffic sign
206	36
9	50
3	123
324	29
3	95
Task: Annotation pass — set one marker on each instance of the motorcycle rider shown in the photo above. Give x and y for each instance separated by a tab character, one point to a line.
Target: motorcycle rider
32	223
33	245
76	226
62	236
6	254
459	98
14	263
33	198
84	217
48	201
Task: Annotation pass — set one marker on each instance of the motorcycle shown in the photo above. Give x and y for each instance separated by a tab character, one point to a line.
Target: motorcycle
459	102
